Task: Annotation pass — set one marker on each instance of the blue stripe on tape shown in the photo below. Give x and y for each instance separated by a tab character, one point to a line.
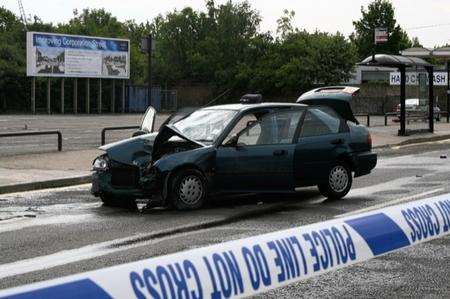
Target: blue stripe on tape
85	288
380	232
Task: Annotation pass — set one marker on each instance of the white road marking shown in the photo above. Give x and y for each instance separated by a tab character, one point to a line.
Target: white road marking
79	254
47	191
20	222
391	202
364	191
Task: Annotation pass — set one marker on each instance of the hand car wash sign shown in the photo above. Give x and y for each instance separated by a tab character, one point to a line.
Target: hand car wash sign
412	78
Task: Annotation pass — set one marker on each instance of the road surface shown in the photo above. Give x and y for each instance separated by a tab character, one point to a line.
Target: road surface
52	233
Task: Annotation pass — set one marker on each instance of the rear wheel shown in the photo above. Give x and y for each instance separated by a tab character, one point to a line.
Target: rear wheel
188	190
339	182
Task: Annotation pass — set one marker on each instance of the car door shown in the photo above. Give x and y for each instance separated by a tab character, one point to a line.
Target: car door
260	157
322	138
148	121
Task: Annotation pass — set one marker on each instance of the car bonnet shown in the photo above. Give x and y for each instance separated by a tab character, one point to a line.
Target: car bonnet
167	132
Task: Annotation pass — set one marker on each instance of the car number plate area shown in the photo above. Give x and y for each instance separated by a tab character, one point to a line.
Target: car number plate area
125	177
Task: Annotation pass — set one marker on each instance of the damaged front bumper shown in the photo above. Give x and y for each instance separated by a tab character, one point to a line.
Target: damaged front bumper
147	187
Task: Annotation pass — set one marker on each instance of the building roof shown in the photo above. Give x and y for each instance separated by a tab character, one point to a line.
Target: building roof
441	52
416	52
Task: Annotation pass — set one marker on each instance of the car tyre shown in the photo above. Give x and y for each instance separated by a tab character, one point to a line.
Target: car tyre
188	190
110	200
339	182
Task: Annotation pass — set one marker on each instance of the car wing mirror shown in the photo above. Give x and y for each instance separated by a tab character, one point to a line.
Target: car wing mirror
232	141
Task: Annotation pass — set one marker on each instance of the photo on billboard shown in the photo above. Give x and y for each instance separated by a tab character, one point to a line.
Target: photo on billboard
114	64
59	55
50	60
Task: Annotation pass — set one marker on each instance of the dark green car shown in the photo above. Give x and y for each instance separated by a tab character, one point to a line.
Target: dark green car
251	147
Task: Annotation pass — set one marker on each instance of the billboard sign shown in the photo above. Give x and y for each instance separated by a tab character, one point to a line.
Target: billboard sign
412	78
60	55
381	35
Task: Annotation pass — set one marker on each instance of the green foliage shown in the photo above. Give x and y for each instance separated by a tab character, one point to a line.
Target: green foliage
379	13
221	46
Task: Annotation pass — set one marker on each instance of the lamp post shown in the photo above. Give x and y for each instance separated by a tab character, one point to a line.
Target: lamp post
147	46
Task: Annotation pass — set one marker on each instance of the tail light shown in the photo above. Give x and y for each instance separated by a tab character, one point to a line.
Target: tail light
369	140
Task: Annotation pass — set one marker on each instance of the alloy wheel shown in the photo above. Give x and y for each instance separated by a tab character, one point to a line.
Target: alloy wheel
338	178
191	190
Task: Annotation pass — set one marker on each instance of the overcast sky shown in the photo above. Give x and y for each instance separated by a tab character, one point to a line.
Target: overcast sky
325	15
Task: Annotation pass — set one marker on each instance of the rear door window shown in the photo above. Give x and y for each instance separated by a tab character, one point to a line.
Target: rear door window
274	128
320	121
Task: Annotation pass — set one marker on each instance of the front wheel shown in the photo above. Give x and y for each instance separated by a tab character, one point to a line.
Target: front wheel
339	182
189	190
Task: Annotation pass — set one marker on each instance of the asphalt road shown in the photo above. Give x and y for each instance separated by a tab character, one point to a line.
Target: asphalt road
52	233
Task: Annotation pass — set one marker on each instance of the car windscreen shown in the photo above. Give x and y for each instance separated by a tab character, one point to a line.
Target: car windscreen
205	125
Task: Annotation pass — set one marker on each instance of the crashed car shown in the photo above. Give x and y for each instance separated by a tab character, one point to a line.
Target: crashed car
250	147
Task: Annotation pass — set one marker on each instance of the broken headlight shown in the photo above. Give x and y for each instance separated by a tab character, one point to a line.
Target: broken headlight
101	163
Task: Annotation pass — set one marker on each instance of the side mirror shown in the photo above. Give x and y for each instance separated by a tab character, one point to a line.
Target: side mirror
232	142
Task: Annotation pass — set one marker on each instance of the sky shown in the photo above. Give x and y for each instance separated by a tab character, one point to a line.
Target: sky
324	15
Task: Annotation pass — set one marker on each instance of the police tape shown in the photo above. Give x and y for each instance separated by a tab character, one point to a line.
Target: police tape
257	264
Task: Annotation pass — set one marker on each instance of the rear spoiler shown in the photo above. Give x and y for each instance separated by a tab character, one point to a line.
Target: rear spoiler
331	92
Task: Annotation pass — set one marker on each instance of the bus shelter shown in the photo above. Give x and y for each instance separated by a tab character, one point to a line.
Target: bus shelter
403	63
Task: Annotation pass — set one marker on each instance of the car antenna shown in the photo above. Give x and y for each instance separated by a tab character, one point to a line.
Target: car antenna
216	98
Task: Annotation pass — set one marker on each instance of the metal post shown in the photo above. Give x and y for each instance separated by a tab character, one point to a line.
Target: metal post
88	104
99	102
33	95
123	96
448	91
48	95
430	99
62	96
59	141
113	96
75	96
149	87
402	131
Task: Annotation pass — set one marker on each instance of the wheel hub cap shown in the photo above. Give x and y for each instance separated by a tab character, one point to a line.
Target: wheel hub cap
191	190
338	179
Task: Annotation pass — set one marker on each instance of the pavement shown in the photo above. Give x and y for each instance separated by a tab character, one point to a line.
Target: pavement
33	163
56	232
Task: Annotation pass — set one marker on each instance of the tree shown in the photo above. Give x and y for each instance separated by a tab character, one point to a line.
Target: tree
415	42
379	13
12	59
284	24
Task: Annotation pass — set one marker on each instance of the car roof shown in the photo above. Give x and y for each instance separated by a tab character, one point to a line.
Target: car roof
244	107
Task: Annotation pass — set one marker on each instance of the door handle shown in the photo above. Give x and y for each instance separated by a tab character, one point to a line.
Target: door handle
279	152
337	141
